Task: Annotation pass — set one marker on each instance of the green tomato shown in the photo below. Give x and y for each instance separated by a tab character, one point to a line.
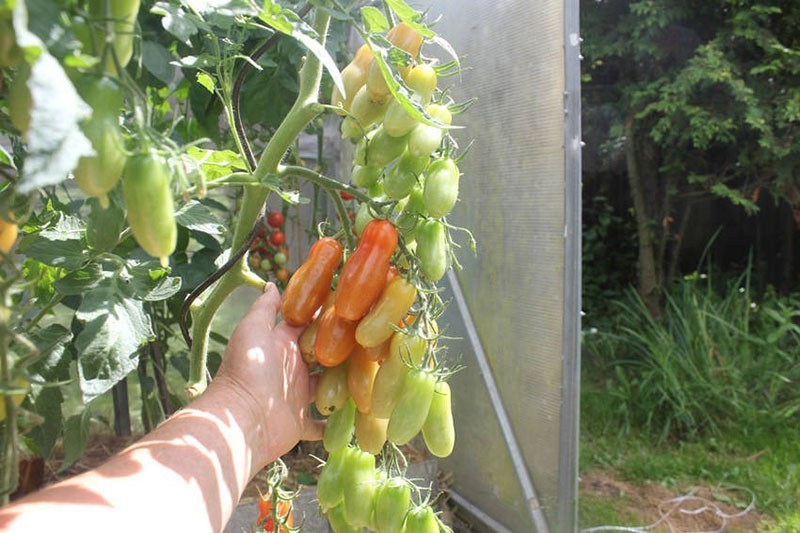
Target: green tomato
359	484
147	188
120	23
425	139
381	148
329	485
365	176
279	258
392	502
338	521
363	113
438	430
409	218
441	187
412	406
265	265
422	520
402	177
20	101
340	427
9	51
432	249
403	350
363	217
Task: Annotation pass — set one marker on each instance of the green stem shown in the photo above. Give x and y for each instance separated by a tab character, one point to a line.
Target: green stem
305	108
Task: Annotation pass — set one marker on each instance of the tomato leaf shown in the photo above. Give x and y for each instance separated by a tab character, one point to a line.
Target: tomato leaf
76	435
197	217
104	225
158	61
114	327
177	21
410	16
61	245
212	164
287	22
374	21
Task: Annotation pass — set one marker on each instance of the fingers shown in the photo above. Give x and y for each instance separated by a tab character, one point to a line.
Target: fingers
265	308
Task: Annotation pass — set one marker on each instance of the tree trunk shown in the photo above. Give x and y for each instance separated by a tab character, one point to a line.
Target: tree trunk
650	271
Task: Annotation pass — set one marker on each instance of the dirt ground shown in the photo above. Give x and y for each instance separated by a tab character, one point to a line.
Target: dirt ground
696	509
702	509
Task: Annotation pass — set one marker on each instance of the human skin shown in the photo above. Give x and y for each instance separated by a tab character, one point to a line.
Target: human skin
189	473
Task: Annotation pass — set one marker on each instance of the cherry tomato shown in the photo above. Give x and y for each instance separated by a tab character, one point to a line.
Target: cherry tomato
404	349
393	304
332	391
265	265
363	275
361	370
280	259
283	513
392	502
345	195
147	187
254	260
441	187
311	283
422	520
339	429
275	219
438	430
432	249
359	483
336	337
277	237
425	139
401	179
329	483
370	432
412	406
282	274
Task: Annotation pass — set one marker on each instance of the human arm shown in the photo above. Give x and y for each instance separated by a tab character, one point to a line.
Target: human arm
189	473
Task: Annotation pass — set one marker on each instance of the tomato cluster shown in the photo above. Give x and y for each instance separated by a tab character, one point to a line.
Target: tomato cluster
268	251
378	383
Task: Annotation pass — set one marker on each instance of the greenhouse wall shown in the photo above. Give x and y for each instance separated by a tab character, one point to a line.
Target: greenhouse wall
515	305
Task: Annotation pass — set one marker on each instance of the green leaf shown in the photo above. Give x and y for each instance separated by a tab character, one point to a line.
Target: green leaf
212	164
410	16
177	21
60	245
79	281
46	402
51	341
104	225
76	435
206	81
196	216
374	21
152	282
286	21
42	277
735	197
158	61
115	326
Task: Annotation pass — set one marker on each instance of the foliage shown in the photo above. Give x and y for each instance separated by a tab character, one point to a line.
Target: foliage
715	362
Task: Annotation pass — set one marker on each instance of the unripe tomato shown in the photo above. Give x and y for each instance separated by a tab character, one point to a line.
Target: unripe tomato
441	187
439	431
363	275
146	185
119	22
389	380
361	370
392	502
20	100
354	75
329	484
380	352
8	235
382	148
338	522
275	219
408	219
363	114
365	176
332	390
412	406
280	260
424	139
98	174
308	338
432	249
401	36
339	429
277	238
336	337
19	383
311	283
282	274
370	432
363	217
359	483
265	265
392	305
9	51
422	81
400	180
422	520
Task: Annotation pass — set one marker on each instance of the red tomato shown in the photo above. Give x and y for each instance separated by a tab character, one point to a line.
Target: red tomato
311	283
277	237
363	275
345	195
336	338
275	219
266	520
282	274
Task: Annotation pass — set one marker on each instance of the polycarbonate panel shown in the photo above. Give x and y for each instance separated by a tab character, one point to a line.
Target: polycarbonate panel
513	198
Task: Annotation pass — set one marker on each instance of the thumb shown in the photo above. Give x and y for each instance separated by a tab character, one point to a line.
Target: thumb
264	310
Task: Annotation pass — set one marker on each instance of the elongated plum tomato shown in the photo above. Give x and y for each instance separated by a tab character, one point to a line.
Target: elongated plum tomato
361	370
370	432
359	484
432	249
339	523
392	305
311	283
401	36
329	484
411	410
123	13
401	179
340	427
441	187
332	391
363	113
425	139
422	520
336	337
404	349
146	185
308	338
438	430
8	235
392	502
354	75
363	275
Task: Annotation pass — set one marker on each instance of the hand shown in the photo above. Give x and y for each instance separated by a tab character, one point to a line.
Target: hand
264	367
